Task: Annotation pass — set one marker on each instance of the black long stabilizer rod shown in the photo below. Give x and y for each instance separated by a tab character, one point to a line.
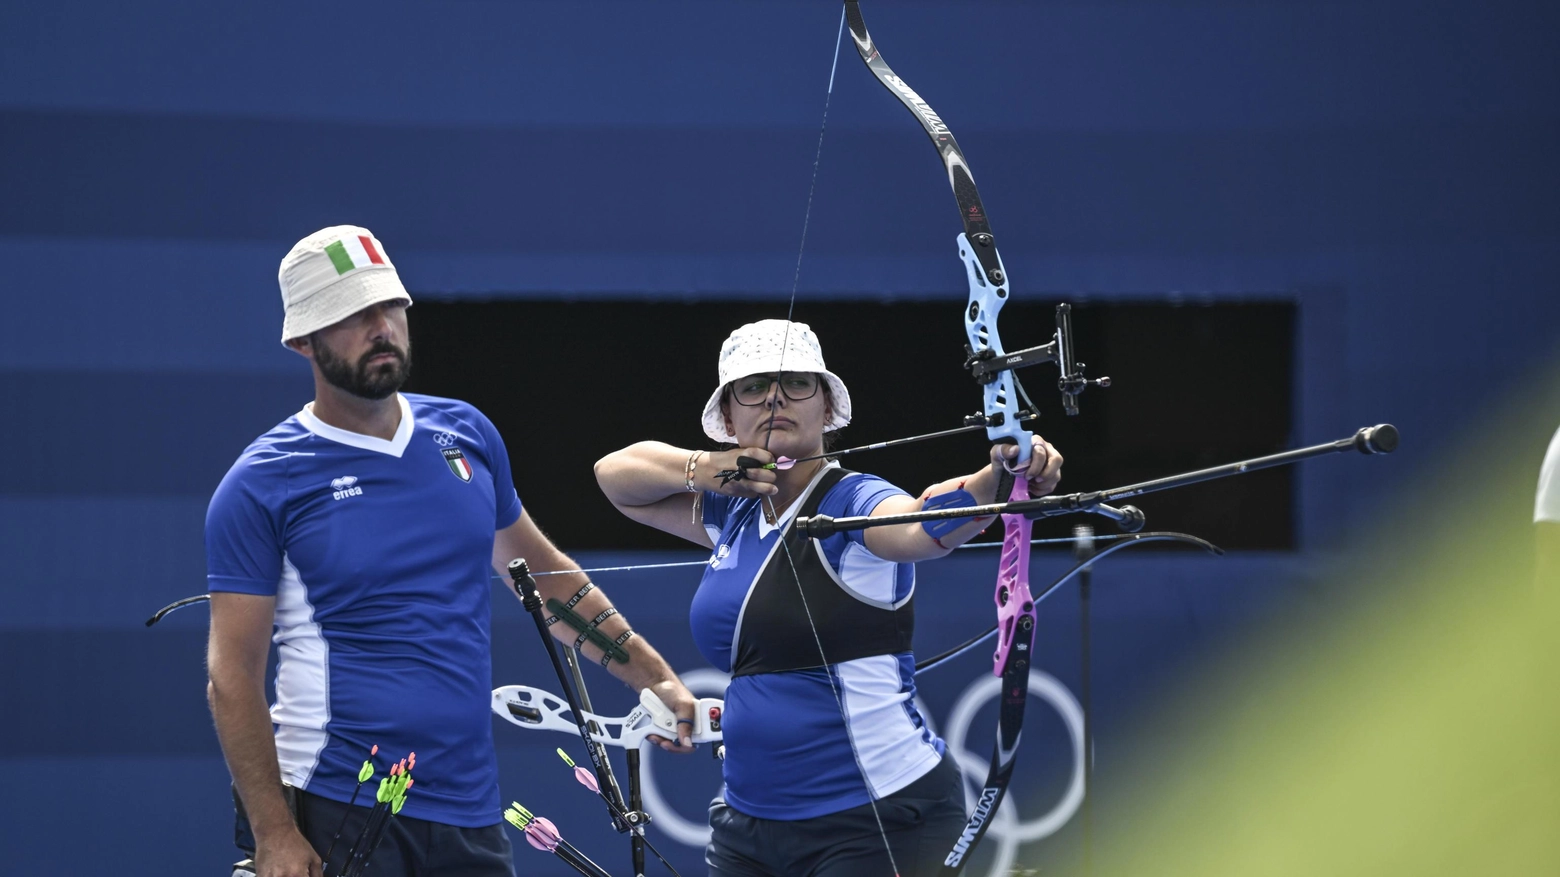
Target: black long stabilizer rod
1381	439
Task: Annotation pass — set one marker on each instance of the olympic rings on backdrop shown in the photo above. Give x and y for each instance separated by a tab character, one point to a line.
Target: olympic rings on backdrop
1009	830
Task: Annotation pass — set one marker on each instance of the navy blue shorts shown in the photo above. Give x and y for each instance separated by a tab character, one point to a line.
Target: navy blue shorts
922	821
411	847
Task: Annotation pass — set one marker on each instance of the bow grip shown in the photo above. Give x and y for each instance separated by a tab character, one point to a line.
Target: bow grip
1015	603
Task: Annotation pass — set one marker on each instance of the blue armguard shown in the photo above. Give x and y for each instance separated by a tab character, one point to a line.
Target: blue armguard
953	499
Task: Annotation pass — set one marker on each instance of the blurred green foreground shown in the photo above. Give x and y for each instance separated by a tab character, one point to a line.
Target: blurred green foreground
1411	727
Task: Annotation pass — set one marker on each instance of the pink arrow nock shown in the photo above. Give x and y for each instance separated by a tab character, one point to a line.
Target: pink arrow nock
587	779
542	834
374	751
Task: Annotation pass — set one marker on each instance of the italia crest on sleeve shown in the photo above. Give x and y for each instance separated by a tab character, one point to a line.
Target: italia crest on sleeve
457	463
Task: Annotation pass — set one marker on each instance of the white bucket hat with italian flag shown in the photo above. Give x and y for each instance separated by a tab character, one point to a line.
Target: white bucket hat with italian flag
770	346
331	275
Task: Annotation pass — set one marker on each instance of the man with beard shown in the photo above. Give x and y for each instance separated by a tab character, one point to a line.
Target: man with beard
360	535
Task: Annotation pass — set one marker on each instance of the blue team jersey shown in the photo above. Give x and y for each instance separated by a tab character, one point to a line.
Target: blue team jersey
379	555
791	753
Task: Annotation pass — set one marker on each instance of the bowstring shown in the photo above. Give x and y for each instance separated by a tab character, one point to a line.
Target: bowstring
785	547
801	249
839	701
1067	540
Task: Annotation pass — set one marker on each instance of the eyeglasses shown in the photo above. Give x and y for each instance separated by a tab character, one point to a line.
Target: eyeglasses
754	389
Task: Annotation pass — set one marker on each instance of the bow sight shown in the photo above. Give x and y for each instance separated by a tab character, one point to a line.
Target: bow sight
986	364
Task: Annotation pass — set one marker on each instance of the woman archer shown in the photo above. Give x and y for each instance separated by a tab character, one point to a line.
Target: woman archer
829	766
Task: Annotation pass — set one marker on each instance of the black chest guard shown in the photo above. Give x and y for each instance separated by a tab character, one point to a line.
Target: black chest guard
775	634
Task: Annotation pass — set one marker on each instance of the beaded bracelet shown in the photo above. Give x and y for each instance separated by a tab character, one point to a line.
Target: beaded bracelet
693	461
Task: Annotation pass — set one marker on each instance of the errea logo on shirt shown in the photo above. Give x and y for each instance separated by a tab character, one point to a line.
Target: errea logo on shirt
344	487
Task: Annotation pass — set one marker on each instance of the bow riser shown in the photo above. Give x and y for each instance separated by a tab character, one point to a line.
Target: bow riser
1015	605
980	327
527	707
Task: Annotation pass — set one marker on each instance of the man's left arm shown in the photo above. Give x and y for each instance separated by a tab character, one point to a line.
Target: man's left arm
645	668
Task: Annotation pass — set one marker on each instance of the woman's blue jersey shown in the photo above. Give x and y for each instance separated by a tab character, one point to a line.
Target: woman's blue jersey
791	751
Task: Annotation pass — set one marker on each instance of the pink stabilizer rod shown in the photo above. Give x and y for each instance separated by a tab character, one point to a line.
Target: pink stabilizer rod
1012	596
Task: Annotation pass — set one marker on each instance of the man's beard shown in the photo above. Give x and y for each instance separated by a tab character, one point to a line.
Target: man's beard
368	382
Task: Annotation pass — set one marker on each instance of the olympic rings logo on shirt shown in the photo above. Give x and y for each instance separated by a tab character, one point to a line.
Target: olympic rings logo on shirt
1008	830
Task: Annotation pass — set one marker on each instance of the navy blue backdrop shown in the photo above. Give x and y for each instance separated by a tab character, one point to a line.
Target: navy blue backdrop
1387	166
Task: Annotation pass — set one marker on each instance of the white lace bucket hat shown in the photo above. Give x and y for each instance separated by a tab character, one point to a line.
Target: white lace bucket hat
767	346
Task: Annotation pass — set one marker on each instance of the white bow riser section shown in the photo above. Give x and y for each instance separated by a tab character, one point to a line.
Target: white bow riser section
528	707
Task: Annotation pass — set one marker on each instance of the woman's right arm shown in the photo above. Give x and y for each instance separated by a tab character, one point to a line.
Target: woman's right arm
648	482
